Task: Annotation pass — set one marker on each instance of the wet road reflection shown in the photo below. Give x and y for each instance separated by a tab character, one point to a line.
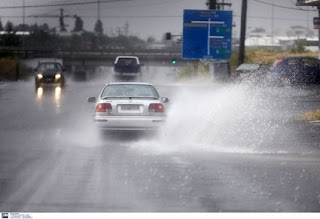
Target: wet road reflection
47	93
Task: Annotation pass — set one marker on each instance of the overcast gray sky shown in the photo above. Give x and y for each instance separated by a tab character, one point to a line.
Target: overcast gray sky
155	17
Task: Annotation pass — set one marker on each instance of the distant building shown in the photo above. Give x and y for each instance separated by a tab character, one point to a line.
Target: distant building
157	46
16	33
262	41
280	42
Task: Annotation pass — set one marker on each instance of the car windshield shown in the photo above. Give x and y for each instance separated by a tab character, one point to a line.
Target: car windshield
295	61
127	61
49	66
248	67
129	90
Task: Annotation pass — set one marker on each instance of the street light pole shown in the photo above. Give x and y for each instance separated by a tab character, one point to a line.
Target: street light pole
212	4
98	9
23	27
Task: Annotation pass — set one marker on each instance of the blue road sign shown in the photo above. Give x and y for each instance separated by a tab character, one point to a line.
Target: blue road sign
207	34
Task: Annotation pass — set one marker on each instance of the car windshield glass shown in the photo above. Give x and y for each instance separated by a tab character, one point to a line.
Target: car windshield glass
127	61
49	66
308	62
294	61
129	90
248	67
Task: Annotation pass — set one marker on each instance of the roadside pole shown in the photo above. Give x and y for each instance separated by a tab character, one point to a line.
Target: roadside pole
319	35
243	32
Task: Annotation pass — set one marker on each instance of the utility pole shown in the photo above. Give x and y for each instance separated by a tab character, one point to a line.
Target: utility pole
319	35
24	26
213	4
272	24
99	10
61	19
243	32
126	29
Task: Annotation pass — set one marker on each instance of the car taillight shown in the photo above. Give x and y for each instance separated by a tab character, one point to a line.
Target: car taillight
104	107
279	63
156	107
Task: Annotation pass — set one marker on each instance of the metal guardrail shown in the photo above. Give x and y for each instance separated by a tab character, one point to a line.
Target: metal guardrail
161	56
106	52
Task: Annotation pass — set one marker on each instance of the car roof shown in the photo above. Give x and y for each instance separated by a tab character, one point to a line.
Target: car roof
300	57
133	83
127	57
134	57
250	64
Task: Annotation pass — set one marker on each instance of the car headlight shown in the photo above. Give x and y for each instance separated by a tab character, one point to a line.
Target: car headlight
58	76
39	76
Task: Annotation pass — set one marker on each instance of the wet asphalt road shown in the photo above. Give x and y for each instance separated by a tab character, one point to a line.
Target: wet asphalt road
226	148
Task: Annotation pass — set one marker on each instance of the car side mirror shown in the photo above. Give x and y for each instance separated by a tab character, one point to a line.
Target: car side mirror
164	99
92	100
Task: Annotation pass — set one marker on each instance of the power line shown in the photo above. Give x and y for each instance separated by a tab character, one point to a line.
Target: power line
281	6
295	5
63	4
140	5
148	16
137	16
276	18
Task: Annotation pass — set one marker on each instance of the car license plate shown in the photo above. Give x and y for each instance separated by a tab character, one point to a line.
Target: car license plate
129	107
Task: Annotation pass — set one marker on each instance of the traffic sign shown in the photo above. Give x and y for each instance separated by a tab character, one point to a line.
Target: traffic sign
207	34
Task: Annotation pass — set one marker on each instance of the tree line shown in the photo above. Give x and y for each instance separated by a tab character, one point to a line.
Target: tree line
43	37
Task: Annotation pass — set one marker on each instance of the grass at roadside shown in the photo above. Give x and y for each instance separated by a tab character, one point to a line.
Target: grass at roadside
310	116
266	56
196	70
200	69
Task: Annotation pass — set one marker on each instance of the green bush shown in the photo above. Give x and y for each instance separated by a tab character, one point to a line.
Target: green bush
197	69
8	67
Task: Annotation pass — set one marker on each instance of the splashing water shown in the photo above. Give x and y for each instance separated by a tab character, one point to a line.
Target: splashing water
230	119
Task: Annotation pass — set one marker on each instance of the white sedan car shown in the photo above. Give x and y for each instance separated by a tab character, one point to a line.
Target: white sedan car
129	106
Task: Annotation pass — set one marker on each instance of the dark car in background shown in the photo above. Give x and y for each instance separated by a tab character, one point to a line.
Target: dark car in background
127	66
296	70
253	72
49	73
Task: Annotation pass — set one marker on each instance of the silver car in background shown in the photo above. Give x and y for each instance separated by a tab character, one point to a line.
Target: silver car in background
129	106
